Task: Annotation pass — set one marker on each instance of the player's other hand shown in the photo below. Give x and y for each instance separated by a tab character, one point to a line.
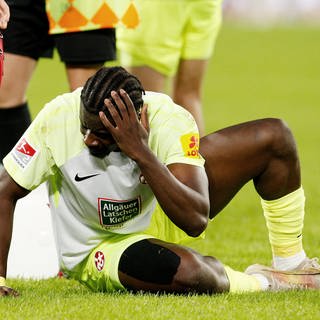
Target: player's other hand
4	14
7	291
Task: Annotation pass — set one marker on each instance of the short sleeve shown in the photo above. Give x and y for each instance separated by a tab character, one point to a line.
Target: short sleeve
174	135
30	163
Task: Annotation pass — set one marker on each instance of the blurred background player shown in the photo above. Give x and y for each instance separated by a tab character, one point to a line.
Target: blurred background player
82	32
174	39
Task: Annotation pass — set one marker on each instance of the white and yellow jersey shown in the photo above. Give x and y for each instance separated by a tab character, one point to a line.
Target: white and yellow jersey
91	198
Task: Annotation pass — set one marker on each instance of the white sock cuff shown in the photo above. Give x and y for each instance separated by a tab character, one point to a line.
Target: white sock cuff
288	263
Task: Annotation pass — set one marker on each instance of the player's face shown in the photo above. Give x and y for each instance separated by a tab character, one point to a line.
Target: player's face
95	135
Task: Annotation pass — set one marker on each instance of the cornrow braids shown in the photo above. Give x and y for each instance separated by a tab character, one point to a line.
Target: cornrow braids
107	79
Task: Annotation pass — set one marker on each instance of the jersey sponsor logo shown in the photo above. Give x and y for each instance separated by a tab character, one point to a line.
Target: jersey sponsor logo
78	178
114	213
190	145
99	260
23	152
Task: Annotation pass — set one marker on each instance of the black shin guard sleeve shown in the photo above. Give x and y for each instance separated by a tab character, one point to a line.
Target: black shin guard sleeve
13	122
149	262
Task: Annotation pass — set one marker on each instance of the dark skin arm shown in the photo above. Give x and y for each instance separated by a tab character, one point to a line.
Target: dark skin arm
10	192
181	189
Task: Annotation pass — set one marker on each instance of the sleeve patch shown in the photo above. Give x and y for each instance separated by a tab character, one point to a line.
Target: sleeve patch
23	153
190	145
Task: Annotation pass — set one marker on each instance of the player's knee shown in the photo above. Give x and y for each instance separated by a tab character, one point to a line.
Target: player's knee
149	262
279	138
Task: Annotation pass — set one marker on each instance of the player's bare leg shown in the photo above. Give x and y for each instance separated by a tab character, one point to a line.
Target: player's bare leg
156	266
18	71
78	75
151	79
187	88
261	150
265	152
14	110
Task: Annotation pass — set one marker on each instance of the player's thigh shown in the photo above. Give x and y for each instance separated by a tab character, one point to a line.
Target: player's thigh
99	271
18	71
234	156
77	76
25	40
151	79
189	77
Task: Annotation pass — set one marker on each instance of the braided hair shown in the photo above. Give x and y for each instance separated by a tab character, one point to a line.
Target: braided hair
107	79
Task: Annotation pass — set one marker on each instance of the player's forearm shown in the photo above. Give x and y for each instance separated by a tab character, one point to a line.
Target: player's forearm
6	223
10	192
186	207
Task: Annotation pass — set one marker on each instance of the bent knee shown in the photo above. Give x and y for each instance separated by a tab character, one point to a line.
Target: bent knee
150	262
278	137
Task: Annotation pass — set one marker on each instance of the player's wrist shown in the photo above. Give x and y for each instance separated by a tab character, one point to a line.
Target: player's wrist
3	282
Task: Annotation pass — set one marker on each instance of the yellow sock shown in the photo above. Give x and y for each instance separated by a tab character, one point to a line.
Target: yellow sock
241	282
284	218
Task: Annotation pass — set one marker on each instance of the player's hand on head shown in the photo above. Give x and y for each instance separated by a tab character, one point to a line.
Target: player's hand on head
130	134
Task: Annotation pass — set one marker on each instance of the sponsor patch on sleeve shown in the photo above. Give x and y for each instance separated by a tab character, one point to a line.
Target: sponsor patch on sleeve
23	153
190	145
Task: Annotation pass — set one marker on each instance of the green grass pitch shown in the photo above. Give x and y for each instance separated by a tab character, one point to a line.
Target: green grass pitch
254	73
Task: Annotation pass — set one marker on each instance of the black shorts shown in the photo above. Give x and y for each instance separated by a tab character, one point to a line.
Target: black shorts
27	35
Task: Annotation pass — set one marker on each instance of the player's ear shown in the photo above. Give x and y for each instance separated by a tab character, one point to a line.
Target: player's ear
144	117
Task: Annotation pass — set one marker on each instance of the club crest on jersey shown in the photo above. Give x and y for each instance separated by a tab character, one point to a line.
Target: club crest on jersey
23	153
99	260
114	213
190	145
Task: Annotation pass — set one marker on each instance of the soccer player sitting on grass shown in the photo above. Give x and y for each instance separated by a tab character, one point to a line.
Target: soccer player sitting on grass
128	186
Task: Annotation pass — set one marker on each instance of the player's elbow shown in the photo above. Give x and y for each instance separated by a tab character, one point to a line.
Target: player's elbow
197	227
198	219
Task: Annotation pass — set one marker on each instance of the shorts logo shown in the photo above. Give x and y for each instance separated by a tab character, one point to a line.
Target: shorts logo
114	213
23	153
99	260
190	145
